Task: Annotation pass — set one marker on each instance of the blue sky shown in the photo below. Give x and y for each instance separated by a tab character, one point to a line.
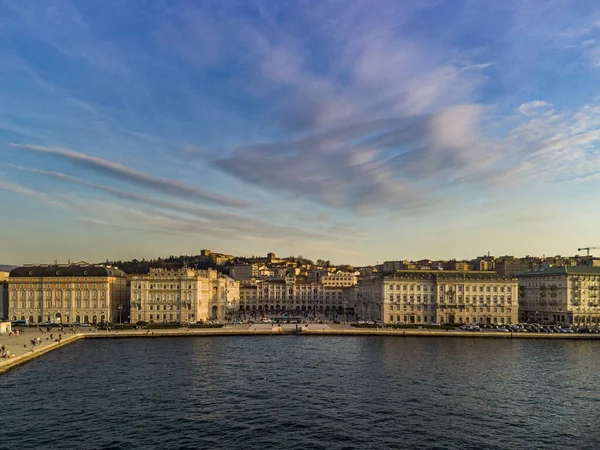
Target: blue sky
355	131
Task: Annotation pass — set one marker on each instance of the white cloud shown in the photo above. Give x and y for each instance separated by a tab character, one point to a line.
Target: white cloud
532	107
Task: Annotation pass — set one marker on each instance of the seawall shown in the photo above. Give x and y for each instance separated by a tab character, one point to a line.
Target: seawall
27	355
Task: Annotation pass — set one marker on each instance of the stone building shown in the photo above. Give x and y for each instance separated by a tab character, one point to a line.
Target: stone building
65	293
420	297
294	294
245	271
567	294
335	279
182	295
3	300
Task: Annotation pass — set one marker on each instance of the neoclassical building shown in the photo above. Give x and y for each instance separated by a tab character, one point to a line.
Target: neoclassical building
182	295
295	294
65	293
420	297
566	294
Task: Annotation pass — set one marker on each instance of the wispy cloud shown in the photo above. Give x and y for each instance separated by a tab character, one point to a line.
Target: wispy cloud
39	196
195	219
121	172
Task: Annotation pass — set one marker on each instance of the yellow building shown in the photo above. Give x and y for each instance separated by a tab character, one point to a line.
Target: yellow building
65	293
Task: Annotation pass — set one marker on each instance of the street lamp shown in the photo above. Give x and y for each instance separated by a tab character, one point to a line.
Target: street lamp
344	303
120	309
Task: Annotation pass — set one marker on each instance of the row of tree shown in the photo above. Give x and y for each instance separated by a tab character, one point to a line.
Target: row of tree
136	266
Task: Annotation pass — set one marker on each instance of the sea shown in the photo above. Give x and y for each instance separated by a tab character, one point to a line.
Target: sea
305	392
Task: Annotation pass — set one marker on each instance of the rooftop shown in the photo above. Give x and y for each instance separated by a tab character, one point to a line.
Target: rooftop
560	270
63	270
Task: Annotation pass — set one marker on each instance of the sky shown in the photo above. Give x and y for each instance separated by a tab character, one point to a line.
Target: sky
351	131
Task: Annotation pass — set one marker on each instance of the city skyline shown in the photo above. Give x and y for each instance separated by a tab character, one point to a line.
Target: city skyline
339	131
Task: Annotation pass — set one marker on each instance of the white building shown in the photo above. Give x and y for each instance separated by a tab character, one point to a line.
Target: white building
420	297
276	295
567	294
182	295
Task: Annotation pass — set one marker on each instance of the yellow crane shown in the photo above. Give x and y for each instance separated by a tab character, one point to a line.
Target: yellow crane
588	249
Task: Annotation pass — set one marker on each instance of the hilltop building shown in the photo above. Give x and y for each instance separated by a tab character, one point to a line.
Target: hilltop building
567	294
219	258
64	293
245	271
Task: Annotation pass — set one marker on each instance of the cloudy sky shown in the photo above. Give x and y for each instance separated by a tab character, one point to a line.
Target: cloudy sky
355	131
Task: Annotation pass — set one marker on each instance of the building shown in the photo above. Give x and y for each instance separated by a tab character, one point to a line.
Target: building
245	271
567	294
294	295
182	295
420	297
219	258
336	279
64	293
460	266
3	300
509	266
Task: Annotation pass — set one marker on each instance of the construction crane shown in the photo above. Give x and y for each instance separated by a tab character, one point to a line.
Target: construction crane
588	249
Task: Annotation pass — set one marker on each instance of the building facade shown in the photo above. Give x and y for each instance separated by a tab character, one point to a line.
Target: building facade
294	294
245	271
3	300
66	293
567	294
421	297
182	295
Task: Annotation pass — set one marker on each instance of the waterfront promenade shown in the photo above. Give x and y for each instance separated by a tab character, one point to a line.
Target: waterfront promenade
24	351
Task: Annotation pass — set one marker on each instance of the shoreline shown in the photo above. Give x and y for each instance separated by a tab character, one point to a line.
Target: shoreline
26	356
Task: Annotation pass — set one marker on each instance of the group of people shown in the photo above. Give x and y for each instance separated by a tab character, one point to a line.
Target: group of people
330	316
4	353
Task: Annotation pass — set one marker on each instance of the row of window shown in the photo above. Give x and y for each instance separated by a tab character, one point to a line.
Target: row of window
458	320
466	298
460	308
442	288
58	304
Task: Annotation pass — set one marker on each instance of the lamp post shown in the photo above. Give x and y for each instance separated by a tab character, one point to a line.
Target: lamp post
120	310
344	303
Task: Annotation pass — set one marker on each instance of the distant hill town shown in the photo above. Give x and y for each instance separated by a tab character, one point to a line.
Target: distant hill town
224	263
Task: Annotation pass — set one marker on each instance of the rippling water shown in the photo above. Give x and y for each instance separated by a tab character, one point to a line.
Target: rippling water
306	392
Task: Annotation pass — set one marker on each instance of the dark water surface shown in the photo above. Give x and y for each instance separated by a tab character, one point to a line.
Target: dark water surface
306	392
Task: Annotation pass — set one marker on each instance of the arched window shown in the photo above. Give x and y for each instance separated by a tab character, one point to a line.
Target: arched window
78	319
